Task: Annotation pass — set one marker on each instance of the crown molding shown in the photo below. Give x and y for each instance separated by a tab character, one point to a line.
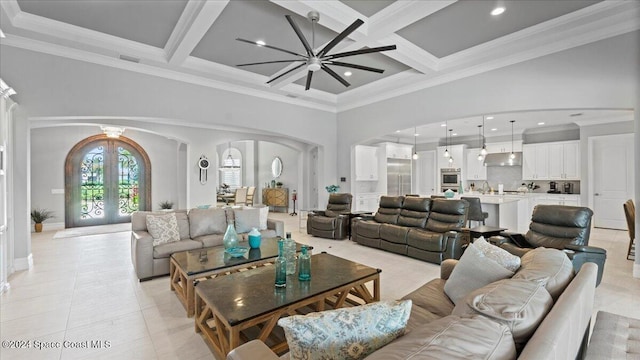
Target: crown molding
66	52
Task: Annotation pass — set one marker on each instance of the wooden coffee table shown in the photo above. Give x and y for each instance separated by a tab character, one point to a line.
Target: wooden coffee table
234	309
188	268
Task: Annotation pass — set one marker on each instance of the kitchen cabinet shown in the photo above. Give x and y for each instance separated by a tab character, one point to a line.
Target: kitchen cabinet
570	200
475	169
398	151
535	162
366	163
551	161
367	202
459	154
504	147
564	160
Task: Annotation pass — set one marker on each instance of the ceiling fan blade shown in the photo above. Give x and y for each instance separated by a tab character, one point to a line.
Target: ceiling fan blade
336	76
359	52
309	75
270	47
356	66
356	24
269	62
285	73
304	41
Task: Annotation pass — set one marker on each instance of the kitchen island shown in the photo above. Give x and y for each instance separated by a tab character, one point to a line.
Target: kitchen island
507	211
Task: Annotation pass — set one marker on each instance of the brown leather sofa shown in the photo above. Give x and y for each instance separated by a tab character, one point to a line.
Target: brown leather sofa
332	223
560	227
439	329
422	228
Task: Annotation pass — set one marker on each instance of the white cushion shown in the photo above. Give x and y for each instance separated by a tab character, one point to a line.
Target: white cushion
349	333
473	271
163	228
499	255
246	219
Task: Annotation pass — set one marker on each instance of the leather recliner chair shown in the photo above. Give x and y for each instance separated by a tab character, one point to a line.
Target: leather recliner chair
332	223
561	227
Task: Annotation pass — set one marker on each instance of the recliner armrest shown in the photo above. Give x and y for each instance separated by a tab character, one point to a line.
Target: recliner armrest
316	213
585	248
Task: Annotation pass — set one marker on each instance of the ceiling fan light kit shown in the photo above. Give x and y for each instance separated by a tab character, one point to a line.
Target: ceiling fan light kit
315	61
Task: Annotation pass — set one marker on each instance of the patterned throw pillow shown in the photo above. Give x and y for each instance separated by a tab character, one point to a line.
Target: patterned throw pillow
501	256
349	333
163	228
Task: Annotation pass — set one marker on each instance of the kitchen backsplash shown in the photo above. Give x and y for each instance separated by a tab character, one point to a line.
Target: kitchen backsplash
511	177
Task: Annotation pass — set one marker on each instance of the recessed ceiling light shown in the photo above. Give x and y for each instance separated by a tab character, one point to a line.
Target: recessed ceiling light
397	131
416	134
260	43
489	117
347	73
454	134
494	129
541	123
497	11
443	125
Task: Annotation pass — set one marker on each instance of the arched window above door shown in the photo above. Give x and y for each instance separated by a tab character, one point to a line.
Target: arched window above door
231	168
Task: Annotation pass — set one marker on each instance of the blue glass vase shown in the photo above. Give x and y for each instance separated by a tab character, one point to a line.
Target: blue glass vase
281	266
304	265
230	239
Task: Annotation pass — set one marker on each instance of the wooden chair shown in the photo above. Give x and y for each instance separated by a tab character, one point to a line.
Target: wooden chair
241	196
630	214
250	192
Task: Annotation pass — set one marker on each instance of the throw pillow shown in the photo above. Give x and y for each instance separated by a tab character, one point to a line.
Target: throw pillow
264	215
163	228
349	333
501	256
519	304
207	222
246	219
473	271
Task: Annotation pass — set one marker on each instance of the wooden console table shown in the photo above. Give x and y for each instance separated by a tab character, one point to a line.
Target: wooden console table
276	197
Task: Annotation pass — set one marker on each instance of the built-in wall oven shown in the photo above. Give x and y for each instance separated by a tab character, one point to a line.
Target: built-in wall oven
450	178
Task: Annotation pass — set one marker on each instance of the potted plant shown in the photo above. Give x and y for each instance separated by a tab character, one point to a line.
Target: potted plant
166	205
332	188
40	215
279	184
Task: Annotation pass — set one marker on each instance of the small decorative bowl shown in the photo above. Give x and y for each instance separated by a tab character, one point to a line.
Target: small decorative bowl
237	251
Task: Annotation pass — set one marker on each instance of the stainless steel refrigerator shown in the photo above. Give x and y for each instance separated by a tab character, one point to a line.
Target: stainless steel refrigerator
398	176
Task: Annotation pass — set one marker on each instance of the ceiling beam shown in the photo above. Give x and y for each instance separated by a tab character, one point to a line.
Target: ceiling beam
195	21
401	14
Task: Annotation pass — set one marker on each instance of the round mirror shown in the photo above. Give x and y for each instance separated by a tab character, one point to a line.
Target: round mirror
276	167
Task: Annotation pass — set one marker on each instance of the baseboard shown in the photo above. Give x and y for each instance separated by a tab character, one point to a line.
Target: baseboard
636	270
24	263
50	226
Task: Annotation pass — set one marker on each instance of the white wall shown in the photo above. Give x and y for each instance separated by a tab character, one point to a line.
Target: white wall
54	91
50	147
598	75
290	169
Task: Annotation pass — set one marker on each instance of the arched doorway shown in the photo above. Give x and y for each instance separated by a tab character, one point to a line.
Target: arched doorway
106	179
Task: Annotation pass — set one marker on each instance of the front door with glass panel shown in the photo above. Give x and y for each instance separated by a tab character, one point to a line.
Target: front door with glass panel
106	180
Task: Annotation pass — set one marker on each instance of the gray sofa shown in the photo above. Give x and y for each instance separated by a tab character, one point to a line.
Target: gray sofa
198	228
498	321
422	228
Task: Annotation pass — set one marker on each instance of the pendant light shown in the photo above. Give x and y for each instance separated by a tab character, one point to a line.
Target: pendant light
446	141
483	152
512	156
480	156
415	149
229	163
450	156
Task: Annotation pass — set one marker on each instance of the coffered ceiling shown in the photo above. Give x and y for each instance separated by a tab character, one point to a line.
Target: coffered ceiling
194	40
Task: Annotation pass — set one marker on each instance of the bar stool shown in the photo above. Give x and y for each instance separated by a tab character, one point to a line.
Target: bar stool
475	210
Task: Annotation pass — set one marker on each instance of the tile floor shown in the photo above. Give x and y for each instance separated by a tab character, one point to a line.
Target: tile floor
83	289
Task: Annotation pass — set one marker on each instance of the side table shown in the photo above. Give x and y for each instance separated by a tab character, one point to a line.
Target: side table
486	231
354	214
